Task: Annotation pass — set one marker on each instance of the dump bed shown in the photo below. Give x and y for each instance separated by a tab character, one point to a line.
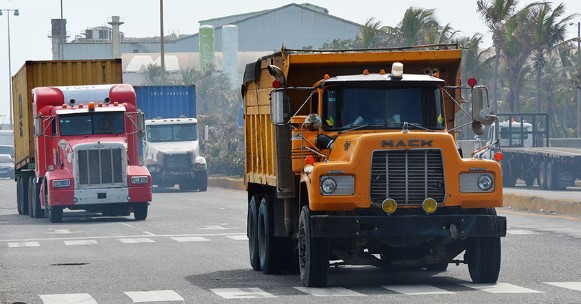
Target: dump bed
51	73
304	68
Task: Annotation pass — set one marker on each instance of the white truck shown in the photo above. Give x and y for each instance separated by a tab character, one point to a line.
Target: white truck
171	152
528	155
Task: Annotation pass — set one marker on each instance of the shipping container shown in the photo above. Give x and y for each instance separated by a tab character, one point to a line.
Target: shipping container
170	101
51	73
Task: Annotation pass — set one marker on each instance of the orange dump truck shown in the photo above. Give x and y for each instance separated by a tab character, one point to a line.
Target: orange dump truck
351	159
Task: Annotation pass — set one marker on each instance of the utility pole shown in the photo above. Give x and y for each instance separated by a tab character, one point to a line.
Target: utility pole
579	89
161	48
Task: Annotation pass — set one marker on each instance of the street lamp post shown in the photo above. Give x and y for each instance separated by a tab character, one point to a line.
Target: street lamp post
16	13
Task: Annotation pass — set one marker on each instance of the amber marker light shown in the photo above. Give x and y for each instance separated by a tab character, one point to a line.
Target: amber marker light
429	205
91	106
498	156
310	160
389	205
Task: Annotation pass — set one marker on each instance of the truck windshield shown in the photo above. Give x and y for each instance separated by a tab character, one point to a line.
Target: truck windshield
166	133
374	107
92	123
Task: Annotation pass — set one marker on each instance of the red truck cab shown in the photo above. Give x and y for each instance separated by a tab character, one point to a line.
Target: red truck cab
86	152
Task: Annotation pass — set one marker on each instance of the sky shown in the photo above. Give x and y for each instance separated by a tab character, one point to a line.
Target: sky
30	30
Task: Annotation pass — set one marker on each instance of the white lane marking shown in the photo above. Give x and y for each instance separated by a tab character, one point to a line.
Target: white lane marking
241	237
419	289
23	244
119	237
80	242
330	292
501	288
72	298
136	240
215	227
520	232
568	285
242	293
154	296
190	239
63	231
149	233
128	225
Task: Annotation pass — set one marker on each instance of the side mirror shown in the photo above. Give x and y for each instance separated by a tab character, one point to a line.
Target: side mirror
477	102
313	122
38	126
277	107
487	116
140	124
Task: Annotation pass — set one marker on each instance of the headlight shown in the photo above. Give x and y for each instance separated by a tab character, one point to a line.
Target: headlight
152	168
328	185
139	180
476	182
485	182
61	183
337	185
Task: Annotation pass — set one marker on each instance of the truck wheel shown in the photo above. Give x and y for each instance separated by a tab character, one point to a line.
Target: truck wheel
508	175
313	254
30	196
252	232
55	214
483	257
553	176
24	195
202	180
19	195
267	243
37	211
542	178
140	211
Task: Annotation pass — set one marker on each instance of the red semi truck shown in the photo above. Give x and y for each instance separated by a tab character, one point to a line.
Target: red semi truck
85	153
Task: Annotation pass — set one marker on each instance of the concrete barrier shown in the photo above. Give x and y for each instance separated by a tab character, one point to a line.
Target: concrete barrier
515	201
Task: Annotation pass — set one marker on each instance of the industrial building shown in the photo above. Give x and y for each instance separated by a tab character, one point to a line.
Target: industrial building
227	42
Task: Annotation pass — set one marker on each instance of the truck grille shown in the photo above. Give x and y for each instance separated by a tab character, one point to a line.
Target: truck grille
100	166
407	176
178	162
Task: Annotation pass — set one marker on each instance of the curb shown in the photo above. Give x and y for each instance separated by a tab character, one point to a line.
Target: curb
543	205
513	201
226	182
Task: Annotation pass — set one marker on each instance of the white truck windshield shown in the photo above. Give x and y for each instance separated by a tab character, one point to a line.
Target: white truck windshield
382	107
167	133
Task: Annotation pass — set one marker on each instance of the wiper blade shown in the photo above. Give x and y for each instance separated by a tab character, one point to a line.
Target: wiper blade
407	124
364	126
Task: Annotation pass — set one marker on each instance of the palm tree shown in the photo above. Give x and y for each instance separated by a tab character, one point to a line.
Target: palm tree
516	52
495	13
547	32
153	74
370	35
416	26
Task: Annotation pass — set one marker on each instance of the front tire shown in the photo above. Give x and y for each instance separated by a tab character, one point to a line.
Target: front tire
313	254
483	256
55	214
140	211
202	180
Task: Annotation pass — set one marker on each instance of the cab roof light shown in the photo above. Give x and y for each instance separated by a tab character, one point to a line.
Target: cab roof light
80	106
326	76
382	72
366	72
91	106
397	70
64	106
100	105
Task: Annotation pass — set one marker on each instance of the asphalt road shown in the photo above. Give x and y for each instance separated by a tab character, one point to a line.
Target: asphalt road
193	249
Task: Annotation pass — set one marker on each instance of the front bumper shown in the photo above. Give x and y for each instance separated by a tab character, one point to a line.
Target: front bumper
378	227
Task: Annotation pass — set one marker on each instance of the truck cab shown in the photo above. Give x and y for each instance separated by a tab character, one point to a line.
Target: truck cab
171	152
85	140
